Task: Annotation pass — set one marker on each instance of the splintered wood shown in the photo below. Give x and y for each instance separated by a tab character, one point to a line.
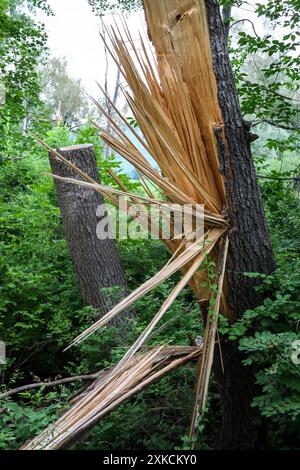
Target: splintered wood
179	33
173	98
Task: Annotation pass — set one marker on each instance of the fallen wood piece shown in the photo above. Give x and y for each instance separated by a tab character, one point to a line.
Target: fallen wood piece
52	383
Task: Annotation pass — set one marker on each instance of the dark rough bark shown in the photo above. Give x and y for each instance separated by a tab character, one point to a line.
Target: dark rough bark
96	262
226	15
250	246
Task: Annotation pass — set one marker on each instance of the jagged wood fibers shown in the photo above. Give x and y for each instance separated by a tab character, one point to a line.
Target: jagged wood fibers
174	101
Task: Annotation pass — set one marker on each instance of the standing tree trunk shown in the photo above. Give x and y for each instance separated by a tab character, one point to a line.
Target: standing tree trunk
96	262
250	246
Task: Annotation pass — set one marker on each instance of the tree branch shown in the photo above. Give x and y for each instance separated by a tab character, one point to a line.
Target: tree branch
295	178
277	124
54	383
266	86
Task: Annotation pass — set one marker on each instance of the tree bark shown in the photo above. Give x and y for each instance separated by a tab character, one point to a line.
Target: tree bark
250	247
96	262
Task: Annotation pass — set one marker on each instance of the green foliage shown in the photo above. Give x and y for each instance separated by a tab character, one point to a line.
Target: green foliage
19	422
37	289
282	205
66	102
266	68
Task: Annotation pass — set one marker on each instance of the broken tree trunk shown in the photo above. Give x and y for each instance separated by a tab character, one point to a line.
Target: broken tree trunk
96	261
250	247
109	391
186	28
